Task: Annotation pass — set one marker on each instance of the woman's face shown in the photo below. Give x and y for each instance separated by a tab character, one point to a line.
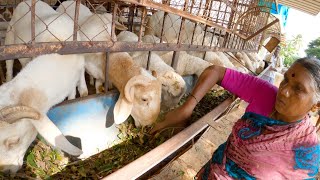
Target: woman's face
296	93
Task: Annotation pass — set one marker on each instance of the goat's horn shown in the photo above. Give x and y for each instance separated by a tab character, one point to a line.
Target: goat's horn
12	114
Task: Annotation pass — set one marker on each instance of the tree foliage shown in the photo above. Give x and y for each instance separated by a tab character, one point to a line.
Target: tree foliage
314	48
289	50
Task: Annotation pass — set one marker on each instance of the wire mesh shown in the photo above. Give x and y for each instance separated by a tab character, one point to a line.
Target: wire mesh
207	23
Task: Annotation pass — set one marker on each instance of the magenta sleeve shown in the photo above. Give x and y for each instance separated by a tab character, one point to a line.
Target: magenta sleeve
258	93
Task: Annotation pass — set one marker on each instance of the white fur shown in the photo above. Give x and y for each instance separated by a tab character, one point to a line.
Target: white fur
44	82
243	57
60	28
93	27
143	98
187	64
173	85
171	27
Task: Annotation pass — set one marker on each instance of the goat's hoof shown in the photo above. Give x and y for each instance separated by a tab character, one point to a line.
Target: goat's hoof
101	89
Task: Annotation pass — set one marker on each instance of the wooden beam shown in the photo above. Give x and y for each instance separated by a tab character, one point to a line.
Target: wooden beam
158	154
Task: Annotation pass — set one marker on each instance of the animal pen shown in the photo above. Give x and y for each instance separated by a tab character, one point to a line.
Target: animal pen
227	26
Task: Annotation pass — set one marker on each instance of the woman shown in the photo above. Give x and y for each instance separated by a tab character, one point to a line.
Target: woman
274	138
274	61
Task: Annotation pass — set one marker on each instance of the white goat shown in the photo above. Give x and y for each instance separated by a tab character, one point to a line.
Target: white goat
93	27
173	85
171	28
19	29
243	57
187	64
257	63
24	102
140	92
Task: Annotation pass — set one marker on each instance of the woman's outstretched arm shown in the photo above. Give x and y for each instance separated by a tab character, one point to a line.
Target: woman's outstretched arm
208	78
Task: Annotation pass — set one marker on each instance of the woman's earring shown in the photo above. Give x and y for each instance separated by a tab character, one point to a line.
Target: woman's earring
286	93
314	108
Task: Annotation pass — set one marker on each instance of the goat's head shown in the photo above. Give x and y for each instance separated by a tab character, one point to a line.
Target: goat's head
18	129
141	99
173	88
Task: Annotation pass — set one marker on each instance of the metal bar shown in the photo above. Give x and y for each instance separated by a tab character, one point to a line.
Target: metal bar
130	18
76	17
162	31
199	8
158	154
218	11
181	13
209	16
148	61
23	51
194	30
204	36
262	29
224	15
191	7
33	21
226	38
205	12
213	35
144	13
219	38
175	57
106	82
238	43
113	29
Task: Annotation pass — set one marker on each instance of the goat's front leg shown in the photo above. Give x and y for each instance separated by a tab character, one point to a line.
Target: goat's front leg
82	85
9	67
99	86
72	94
91	82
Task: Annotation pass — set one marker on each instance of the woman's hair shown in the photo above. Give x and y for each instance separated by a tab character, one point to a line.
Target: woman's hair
313	67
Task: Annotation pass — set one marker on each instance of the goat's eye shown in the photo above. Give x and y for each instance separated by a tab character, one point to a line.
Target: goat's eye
144	99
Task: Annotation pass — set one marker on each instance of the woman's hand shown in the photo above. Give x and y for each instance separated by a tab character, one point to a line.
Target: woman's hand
176	117
208	78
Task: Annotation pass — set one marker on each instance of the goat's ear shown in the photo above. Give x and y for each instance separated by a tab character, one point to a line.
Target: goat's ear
122	109
120	26
154	73
11	141
54	136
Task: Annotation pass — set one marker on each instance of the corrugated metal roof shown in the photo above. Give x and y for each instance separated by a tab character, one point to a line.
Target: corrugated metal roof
308	6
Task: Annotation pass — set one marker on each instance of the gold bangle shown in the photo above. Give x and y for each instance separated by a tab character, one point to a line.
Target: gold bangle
194	97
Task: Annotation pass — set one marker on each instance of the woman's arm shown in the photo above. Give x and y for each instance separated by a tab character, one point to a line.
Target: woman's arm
209	77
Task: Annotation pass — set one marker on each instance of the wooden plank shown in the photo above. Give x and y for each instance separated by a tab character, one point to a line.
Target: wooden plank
158	154
199	154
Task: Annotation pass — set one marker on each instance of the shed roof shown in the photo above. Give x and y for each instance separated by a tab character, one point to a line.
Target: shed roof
308	6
